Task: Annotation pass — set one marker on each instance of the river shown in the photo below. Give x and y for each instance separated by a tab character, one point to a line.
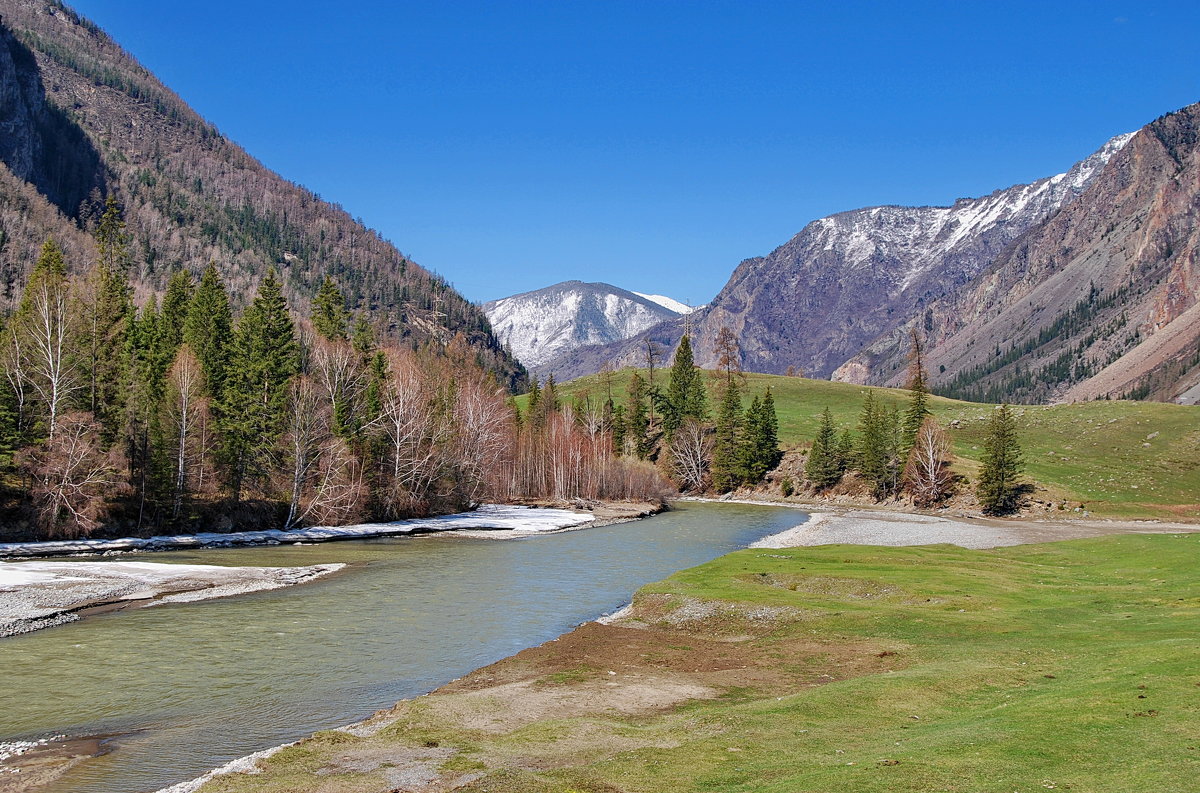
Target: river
187	687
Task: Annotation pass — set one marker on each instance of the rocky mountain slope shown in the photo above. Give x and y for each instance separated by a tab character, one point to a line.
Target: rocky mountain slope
1100	299
547	323
848	279
80	119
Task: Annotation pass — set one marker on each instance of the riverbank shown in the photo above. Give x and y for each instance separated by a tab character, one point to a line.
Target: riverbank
866	525
37	595
409	573
489	517
856	647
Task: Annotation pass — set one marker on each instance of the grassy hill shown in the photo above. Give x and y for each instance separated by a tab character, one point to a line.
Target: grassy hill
1119	459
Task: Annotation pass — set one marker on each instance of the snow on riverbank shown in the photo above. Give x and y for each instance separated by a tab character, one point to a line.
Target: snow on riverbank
36	595
488	516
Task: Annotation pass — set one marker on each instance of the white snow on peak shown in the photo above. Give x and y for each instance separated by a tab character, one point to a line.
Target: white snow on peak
920	238
542	325
669	303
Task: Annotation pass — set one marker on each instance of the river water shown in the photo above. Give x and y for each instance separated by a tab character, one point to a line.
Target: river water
188	687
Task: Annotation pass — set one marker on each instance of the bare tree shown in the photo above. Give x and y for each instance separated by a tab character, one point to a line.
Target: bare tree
927	473
412	432
43	325
72	477
729	354
481	419
338	367
691	452
186	417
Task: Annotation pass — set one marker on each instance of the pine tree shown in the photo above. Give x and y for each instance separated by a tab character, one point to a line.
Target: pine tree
871	450
263	358
638	427
102	319
685	397
760	445
111	239
727	469
329	314
823	467
999	488
918	386
845	452
207	329
175	306
619	427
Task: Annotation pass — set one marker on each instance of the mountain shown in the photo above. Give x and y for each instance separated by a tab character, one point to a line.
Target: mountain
850	278
544	324
846	279
1101	299
82	120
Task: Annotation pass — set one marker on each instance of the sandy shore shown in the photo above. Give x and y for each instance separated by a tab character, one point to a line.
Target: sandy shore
35	595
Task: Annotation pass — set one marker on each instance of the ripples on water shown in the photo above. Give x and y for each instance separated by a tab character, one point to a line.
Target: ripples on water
192	686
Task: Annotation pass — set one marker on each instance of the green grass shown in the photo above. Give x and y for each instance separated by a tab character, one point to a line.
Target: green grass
1120	459
1065	666
1019	670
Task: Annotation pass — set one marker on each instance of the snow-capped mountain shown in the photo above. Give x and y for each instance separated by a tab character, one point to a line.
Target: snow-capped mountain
670	303
541	325
846	279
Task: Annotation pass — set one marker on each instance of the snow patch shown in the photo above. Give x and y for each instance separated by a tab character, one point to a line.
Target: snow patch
670	303
488	516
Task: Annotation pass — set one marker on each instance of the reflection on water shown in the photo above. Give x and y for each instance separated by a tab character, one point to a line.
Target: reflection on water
193	686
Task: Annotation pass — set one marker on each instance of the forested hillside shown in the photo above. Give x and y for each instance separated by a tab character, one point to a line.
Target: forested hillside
84	121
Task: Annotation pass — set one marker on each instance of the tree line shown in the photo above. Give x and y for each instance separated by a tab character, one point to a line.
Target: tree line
895	451
175	414
671	426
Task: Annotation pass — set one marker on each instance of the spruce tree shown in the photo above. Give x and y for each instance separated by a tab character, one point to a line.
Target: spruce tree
207	329
263	358
727	469
102	319
329	315
175	306
871	451
845	452
823	467
619	427
111	239
685	397
638	420
918	386
999	488
769	454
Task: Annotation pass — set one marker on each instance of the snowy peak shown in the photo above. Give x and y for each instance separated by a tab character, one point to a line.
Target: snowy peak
541	325
848	278
670	303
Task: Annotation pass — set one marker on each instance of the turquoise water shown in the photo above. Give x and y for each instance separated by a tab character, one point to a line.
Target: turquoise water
188	687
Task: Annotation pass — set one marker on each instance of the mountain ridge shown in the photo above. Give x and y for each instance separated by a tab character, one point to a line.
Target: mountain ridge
189	195
542	324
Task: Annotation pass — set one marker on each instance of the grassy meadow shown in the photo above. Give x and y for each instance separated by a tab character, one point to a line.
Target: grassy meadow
1065	666
1120	459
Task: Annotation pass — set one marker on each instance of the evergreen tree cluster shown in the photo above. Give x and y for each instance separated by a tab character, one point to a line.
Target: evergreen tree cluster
738	446
893	451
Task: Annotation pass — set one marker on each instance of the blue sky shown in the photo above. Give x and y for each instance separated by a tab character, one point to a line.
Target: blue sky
654	145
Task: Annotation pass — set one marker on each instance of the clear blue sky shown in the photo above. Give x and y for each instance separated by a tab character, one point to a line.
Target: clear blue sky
653	145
